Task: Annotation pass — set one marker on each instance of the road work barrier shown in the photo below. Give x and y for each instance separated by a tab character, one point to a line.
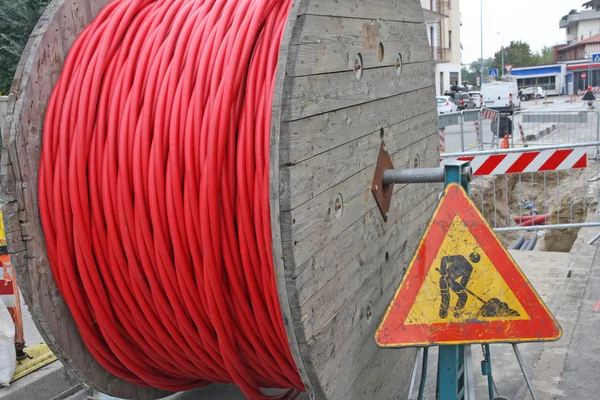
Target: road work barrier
543	188
547	128
469	130
548	178
199	212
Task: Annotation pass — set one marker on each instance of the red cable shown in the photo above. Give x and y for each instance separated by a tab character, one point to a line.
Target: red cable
154	193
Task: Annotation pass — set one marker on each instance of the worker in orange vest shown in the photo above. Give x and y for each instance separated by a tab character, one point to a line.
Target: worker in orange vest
505	144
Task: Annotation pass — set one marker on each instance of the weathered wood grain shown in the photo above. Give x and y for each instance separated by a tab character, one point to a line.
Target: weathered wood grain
317	94
330	44
314	223
329	130
313	176
278	261
400	10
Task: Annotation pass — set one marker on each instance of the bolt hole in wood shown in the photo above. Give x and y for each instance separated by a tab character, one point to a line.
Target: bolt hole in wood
398	64
358	66
381	133
369	314
387	256
417	161
380	52
339	205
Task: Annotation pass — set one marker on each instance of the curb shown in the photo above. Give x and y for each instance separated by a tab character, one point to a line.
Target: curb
543	132
47	383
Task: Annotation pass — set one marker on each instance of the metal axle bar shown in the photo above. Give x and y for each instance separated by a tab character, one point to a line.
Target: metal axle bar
417	175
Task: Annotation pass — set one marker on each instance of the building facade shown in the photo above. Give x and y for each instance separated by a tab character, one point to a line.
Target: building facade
581	25
442	18
582	32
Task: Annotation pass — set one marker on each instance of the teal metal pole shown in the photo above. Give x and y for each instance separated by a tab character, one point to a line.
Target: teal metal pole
451	368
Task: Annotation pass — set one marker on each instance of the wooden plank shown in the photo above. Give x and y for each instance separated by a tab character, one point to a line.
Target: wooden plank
278	261
325	44
354	347
335	128
314	222
400	10
316	94
334	294
344	161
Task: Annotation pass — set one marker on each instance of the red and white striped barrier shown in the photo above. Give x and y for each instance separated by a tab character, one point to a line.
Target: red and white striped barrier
594	90
531	161
489	114
522	133
442	141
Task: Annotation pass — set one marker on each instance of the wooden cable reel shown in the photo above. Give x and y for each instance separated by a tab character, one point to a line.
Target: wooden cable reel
351	73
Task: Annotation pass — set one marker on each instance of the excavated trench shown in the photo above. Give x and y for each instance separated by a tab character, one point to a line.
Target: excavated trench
568	197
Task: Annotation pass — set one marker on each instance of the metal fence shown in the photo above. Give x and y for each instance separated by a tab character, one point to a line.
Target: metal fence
534	128
551	180
468	130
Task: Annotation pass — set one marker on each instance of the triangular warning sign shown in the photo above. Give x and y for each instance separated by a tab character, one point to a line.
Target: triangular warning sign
462	286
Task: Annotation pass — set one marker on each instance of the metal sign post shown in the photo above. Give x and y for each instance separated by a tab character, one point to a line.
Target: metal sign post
462	287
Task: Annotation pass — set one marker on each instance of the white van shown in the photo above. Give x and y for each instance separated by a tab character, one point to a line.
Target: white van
501	96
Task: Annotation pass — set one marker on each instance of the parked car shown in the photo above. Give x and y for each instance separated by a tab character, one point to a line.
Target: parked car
445	105
531	93
476	97
462	100
501	96
458	88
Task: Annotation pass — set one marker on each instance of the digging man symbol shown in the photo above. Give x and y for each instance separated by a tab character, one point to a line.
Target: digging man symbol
455	274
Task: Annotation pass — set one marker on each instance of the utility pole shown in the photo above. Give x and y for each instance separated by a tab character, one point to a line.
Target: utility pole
501	33
481	2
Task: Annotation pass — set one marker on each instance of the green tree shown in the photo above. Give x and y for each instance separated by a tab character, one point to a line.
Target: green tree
470	72
545	56
518	53
17	19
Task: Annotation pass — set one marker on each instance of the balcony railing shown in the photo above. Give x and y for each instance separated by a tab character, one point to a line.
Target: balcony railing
440	54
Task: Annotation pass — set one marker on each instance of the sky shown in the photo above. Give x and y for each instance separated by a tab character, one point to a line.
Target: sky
533	21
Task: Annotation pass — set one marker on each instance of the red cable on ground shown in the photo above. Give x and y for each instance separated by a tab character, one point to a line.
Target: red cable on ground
154	193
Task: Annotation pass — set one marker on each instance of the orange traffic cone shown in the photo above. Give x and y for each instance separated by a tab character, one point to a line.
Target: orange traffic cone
505	144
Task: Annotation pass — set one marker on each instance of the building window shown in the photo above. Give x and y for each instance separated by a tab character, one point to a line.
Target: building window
431	5
568	31
450	40
431	36
449	3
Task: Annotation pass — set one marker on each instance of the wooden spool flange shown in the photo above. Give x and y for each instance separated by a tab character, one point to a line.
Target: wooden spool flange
337	261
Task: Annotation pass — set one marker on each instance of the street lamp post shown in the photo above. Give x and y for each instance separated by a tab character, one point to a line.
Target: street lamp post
481	4
501	33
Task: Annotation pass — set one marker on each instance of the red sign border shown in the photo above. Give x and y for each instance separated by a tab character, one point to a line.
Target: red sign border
456	202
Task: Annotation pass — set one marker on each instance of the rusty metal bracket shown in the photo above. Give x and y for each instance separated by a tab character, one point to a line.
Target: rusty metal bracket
383	193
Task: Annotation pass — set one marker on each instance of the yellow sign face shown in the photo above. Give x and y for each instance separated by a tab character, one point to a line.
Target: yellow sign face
444	298
462	286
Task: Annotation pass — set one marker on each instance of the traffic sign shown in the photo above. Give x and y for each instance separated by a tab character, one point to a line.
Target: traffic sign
596	58
494	73
462	286
583	76
509	67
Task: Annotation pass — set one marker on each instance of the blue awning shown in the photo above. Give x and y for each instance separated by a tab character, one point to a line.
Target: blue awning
536	71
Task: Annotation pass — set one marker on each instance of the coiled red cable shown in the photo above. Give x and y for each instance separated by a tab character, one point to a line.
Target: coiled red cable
154	193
